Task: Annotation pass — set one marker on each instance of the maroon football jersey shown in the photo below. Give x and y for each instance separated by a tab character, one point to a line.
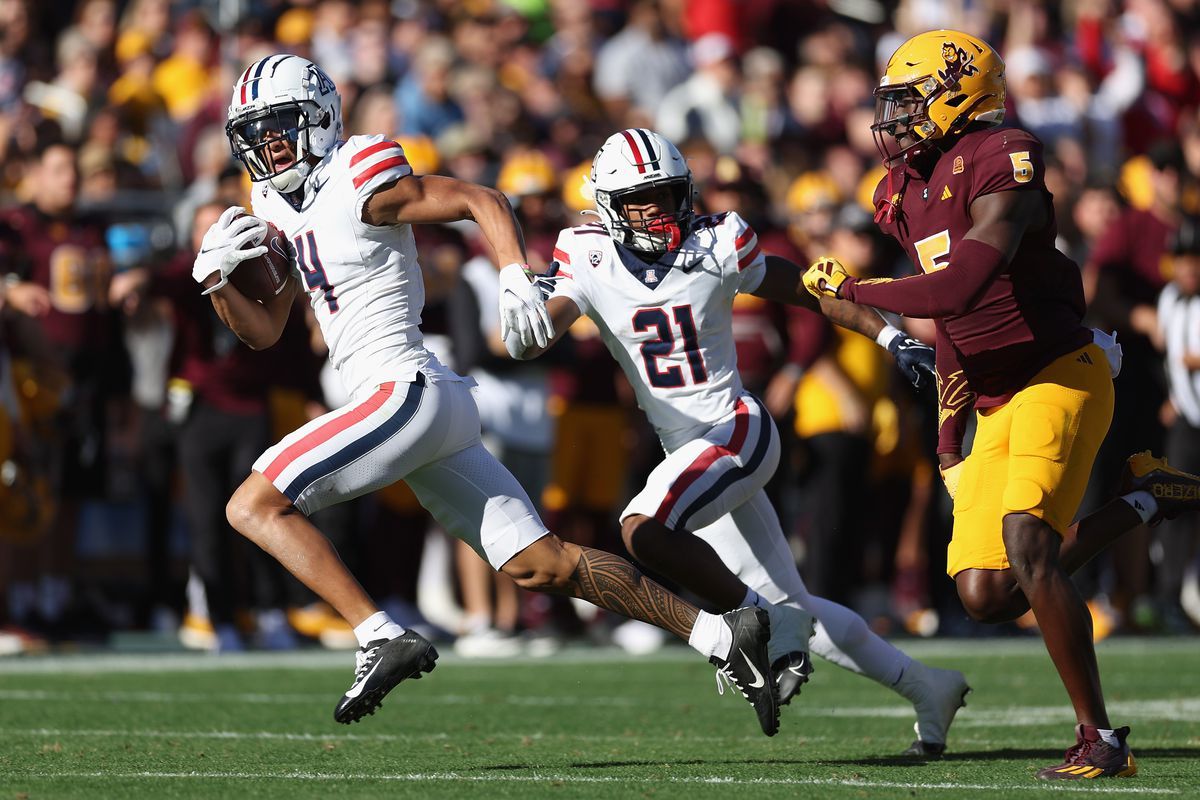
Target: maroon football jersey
69	258
1029	315
1134	251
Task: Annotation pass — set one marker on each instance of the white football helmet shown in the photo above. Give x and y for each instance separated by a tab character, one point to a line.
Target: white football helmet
283	97
627	165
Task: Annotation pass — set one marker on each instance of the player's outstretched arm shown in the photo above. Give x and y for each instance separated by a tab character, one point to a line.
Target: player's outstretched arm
783	282
433	198
563	313
999	222
258	325
417	199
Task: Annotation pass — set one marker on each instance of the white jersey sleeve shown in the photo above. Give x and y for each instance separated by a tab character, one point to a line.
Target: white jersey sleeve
747	264
563	273
375	162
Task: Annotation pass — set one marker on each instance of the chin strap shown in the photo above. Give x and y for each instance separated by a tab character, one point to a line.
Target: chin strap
886	211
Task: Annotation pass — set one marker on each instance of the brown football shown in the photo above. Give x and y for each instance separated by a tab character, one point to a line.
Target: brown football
262	277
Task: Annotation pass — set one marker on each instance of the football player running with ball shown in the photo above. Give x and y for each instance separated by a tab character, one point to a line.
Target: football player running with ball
659	282
969	203
347	207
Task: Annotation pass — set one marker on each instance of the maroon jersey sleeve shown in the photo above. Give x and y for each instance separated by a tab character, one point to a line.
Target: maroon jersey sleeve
1005	161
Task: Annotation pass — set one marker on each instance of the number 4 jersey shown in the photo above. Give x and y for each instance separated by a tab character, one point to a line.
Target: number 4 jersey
363	281
669	323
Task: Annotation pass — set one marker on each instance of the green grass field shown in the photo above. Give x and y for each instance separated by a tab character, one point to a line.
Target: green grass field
582	724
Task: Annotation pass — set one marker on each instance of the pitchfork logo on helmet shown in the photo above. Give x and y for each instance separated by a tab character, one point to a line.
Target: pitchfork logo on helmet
284	110
936	84
643	191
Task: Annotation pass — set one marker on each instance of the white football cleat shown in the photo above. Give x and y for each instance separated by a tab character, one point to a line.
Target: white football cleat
937	695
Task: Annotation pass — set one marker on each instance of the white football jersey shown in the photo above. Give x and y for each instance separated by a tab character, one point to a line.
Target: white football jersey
363	281
673	332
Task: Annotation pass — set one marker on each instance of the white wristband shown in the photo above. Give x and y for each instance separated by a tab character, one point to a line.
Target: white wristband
886	335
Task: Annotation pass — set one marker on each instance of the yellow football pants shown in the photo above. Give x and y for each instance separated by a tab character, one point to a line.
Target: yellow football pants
1033	455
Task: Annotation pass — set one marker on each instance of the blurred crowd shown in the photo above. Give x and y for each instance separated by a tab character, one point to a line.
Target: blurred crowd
128	413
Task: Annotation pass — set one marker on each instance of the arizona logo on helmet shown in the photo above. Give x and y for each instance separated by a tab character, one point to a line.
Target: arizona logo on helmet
959	63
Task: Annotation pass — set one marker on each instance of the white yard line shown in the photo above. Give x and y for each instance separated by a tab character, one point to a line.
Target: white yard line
536	736
1182	709
450	777
104	663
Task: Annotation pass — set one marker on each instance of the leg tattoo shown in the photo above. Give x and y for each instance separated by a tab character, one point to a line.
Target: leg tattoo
613	583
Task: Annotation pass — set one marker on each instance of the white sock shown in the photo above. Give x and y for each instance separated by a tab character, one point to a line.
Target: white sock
1143	503
711	636
843	638
1109	737
377	626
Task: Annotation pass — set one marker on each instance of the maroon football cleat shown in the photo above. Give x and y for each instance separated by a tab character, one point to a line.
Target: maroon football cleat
1092	757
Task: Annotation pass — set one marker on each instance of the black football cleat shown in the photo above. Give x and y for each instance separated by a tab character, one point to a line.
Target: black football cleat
748	668
791	672
379	666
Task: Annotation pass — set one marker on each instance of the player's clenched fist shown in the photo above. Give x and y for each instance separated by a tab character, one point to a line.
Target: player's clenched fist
222	248
825	277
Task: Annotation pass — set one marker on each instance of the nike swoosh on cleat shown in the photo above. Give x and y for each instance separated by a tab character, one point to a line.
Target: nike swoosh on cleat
797	671
356	689
758	678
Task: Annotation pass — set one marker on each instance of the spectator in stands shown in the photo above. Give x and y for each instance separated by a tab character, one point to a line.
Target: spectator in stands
636	68
1179	337
705	105
1126	270
219	392
57	271
423	97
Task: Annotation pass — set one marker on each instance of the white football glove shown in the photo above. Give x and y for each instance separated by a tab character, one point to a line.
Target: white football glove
221	251
522	309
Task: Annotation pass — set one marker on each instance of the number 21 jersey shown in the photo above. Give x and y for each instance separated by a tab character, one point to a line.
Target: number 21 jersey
670	329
